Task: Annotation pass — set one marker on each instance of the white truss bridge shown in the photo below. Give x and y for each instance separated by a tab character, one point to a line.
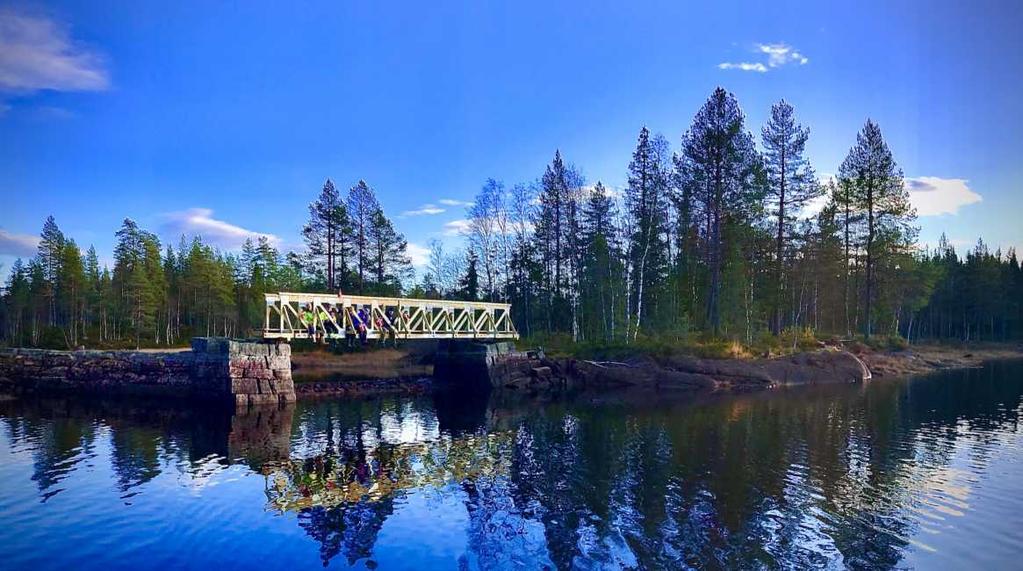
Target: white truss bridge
335	317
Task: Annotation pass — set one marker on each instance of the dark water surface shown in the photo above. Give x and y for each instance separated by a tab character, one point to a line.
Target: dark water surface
924	473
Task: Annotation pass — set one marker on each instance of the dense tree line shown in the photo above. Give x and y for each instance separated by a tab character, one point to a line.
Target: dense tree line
163	296
716	238
712	238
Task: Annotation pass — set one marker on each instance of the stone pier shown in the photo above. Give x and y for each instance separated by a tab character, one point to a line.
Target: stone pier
482	366
249	373
242	373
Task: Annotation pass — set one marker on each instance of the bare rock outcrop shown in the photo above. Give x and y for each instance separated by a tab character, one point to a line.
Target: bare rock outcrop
691	373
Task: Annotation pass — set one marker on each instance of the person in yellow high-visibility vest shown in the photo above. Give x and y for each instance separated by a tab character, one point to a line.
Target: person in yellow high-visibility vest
308	320
323	318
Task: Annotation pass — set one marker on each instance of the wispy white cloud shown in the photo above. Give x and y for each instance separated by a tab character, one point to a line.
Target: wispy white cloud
814	206
453	202
933	196
419	254
424	210
38	53
744	66
962	245
200	222
930	195
781	54
458	227
778	55
18	245
611	191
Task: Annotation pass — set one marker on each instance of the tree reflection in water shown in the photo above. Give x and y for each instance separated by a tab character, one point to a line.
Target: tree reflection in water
829	476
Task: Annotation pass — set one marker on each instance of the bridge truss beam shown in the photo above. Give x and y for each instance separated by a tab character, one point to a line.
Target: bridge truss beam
335	317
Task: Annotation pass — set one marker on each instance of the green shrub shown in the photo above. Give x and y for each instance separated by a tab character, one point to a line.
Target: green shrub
897	343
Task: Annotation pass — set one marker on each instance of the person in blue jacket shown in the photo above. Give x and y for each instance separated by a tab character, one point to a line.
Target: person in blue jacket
363	323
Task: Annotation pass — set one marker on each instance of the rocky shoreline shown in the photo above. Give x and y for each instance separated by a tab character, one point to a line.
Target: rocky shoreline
217	369
681	373
918	360
684	373
526	373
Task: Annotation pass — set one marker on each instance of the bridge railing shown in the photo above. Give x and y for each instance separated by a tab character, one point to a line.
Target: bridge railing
330	316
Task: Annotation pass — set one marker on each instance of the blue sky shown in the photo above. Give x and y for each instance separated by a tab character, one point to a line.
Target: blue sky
225	119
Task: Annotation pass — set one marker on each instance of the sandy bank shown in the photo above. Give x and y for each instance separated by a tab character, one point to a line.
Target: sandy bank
319	366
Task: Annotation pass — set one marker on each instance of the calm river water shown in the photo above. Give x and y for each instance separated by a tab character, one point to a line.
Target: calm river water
924	473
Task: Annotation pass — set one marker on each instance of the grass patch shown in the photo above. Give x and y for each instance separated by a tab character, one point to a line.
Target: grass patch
703	345
886	343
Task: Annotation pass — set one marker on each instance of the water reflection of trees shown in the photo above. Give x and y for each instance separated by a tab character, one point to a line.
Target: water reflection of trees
138	438
805	478
801	478
57	447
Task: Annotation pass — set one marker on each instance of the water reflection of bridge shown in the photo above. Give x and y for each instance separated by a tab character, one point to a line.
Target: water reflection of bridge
800	479
389	469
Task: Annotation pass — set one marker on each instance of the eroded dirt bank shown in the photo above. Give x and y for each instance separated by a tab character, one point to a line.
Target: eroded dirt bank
320	374
372	364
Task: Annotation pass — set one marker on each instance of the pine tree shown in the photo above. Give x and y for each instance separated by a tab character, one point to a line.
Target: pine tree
93	294
576	247
877	188
38	300
154	288
686	268
327	236
51	246
389	263
362	206
469	284
138	278
646	200
129	274
71	283
850	220
823	259
719	160
550	237
601	281
792	185
16	302
247	260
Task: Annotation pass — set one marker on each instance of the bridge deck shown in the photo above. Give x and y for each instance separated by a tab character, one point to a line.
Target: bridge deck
335	317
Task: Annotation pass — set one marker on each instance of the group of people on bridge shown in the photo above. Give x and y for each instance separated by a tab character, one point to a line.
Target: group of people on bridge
327	320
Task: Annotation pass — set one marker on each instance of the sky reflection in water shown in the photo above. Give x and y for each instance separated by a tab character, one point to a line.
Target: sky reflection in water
923	473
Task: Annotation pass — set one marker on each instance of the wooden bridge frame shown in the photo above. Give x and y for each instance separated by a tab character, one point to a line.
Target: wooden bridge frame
411	318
